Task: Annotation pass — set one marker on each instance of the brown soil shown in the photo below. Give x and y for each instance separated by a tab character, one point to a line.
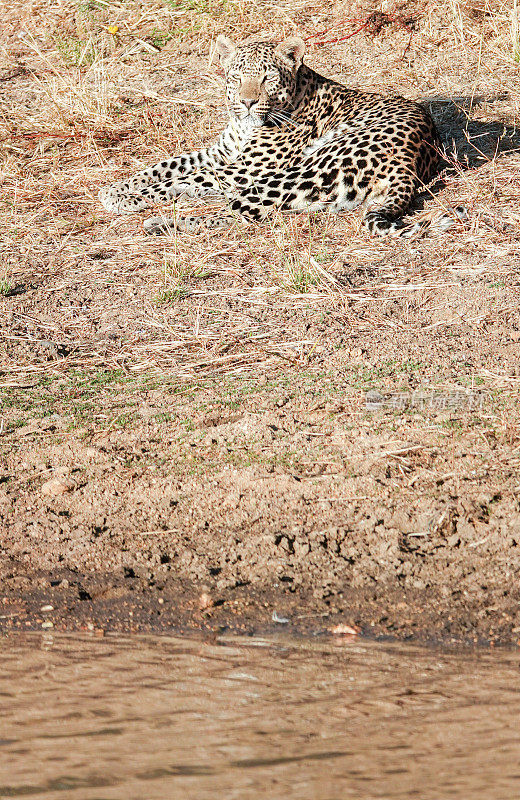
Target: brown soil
294	419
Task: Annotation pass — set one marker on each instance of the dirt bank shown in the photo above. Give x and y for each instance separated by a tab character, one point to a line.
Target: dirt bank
274	498
292	419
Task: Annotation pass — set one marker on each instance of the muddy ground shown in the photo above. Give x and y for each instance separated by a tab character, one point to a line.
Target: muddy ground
291	420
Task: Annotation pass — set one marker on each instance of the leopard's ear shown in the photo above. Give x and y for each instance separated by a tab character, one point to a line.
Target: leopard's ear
226	48
291	50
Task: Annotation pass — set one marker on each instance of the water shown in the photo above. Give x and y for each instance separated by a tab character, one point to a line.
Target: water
145	718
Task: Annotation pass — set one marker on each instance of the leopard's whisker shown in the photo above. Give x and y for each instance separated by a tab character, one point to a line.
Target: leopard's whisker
273	118
283	118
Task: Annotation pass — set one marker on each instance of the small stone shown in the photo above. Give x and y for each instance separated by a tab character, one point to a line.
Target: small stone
280	620
205	601
345	630
47	624
91	452
465	530
47	608
57	486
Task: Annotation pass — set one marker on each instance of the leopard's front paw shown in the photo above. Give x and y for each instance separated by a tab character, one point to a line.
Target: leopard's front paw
116	199
169	225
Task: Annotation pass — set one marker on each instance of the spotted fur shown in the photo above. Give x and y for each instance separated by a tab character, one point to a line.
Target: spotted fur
295	140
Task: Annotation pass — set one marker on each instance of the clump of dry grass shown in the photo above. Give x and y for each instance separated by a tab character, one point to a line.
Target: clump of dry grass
99	90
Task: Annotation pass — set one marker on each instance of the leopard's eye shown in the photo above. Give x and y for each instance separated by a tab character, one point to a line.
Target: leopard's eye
234	77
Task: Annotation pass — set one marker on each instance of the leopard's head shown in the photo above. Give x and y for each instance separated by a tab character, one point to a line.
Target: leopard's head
261	77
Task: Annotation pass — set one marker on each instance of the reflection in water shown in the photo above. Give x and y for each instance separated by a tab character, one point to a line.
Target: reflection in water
160	718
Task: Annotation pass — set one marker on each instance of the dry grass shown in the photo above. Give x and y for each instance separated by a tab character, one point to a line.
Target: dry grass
92	91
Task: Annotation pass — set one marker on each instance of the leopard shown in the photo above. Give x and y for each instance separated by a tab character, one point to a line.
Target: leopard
295	141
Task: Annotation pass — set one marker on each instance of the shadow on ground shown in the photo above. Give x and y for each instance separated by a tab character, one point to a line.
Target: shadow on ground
470	143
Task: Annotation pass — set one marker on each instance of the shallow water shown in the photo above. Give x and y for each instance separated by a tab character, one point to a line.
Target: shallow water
145	718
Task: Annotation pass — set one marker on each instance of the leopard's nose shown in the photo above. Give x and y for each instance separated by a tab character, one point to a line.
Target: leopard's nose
249	103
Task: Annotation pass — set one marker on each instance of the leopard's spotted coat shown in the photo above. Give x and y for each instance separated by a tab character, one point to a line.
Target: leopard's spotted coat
295	140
